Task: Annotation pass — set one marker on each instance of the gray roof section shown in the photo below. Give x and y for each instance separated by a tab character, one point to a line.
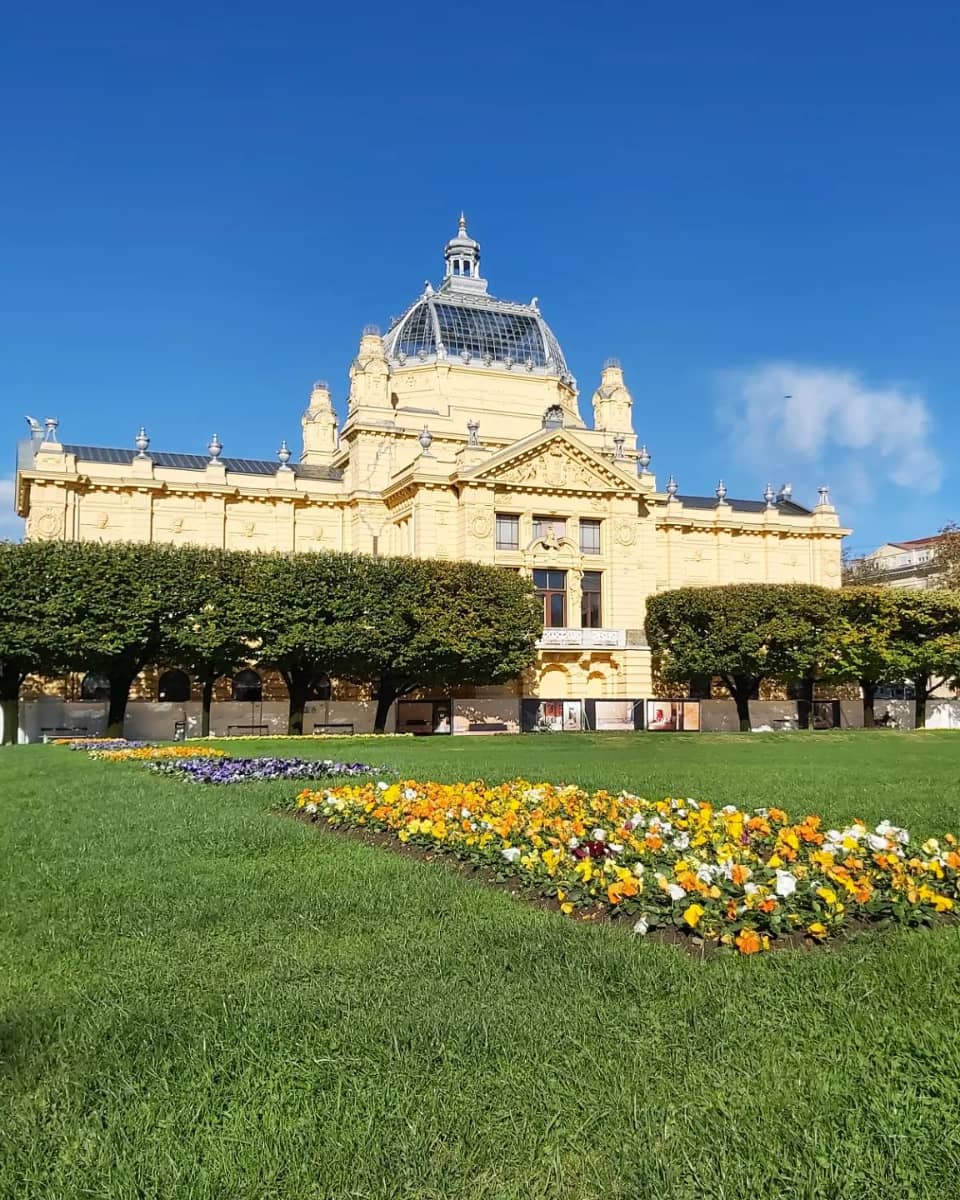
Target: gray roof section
787	507
197	462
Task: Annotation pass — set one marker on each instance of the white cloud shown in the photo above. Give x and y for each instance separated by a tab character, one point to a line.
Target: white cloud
820	424
11	526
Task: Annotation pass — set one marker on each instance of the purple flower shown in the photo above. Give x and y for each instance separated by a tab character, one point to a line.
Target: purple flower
247	770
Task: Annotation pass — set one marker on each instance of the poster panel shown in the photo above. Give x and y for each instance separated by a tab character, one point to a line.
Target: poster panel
664	716
572	716
614	715
691	716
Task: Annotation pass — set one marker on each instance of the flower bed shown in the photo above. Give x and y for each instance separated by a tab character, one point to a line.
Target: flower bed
86	743
738	879
243	770
144	752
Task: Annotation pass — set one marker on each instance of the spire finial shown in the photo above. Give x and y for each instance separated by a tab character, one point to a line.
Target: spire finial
462	223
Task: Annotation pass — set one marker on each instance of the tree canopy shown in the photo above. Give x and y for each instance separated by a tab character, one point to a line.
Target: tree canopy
743	633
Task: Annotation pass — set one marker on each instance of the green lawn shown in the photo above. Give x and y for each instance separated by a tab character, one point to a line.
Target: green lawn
199	998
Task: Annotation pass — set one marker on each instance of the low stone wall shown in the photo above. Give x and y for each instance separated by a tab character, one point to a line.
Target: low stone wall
157	721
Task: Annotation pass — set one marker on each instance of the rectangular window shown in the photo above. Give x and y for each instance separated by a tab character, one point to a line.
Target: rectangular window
552	586
549	527
508	532
590	617
589	537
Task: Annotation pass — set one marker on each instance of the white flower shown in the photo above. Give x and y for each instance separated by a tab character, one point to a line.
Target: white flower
876	842
729	809
635	820
409	794
512	853
638	869
641	926
705	873
381	786
615	848
681	841
786	884
310	808
750	888
675	892
573	843
599	835
465	814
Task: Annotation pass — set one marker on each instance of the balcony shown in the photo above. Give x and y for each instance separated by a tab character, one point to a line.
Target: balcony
582	639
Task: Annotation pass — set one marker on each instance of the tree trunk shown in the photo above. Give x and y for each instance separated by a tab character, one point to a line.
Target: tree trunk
297	682
805	701
741	690
10	683
119	695
206	703
385	697
10	716
921	686
869	689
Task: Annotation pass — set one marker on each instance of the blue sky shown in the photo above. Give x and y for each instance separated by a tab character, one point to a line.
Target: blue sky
202	205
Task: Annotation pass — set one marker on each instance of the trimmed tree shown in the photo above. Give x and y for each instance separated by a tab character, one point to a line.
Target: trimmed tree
116	605
864	645
743	633
29	639
930	634
435	624
214	637
890	635
305	611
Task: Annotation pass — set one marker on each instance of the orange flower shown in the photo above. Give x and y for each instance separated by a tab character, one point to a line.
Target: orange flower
740	874
768	905
748	941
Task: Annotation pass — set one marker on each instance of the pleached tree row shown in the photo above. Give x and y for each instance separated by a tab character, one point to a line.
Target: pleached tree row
747	633
397	624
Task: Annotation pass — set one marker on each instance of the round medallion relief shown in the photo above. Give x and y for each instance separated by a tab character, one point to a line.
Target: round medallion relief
49	523
482	525
625	533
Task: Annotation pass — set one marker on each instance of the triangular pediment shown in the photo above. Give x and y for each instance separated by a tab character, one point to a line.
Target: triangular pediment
555	460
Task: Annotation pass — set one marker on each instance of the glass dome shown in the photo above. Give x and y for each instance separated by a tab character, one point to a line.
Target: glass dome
460	321
475	329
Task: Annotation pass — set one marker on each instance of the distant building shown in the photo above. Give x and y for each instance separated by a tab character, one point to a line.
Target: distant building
902	564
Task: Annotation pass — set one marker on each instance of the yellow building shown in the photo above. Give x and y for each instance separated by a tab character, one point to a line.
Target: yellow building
462	439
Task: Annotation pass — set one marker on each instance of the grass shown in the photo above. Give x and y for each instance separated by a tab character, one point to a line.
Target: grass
201	999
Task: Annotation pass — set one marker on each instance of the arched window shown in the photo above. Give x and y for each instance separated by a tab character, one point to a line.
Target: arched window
247	685
319	688
174	686
94	687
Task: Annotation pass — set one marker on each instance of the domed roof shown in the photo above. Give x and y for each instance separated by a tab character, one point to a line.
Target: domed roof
461	321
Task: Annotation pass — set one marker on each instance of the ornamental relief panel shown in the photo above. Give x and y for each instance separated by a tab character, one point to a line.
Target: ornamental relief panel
481	524
554	469
45	524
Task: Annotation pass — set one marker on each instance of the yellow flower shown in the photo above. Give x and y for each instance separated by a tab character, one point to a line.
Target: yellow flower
817	930
566	909
693	914
827	895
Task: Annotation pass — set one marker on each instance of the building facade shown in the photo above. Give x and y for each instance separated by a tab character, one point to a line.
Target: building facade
462	439
911	565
